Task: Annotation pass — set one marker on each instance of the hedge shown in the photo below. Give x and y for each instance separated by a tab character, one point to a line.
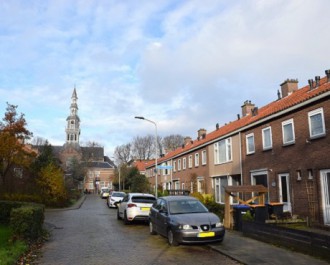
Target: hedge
26	221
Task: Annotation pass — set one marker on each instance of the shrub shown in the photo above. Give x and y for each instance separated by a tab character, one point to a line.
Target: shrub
247	216
26	222
210	203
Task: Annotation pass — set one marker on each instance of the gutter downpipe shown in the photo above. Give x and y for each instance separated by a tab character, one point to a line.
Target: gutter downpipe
240	157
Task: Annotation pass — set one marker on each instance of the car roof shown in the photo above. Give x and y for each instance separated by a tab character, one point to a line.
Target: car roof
178	198
140	194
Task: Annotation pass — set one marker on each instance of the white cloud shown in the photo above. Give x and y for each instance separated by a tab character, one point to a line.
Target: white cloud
187	65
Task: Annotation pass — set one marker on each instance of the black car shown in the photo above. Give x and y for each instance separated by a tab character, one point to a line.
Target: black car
184	219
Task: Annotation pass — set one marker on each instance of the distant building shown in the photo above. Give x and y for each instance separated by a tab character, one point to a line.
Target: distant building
99	168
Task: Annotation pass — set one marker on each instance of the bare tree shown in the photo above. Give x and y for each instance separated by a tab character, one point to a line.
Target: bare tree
172	142
143	147
93	144
39	141
123	153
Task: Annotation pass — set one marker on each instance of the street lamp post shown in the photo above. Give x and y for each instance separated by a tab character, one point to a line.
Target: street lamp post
156	151
119	169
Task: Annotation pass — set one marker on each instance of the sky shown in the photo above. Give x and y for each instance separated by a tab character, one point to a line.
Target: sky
185	65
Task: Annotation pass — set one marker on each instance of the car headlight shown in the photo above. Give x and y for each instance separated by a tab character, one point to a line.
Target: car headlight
185	227
219	224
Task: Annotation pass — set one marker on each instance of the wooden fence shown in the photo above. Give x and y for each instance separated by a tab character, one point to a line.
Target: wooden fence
314	244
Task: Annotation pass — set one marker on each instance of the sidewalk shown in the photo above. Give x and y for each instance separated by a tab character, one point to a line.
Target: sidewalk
75	206
250	251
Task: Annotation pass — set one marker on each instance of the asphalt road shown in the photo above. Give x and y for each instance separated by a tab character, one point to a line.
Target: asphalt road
92	235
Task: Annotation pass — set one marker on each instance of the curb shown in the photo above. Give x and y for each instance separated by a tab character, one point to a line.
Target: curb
76	206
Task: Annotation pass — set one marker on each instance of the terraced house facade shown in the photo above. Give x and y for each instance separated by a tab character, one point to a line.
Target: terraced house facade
283	146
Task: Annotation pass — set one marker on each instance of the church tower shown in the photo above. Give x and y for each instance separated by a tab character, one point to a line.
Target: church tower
73	122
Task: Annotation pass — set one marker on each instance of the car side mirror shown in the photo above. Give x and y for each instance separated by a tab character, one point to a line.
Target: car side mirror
164	211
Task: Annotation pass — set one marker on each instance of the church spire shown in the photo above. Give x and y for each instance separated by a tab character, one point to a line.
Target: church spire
73	122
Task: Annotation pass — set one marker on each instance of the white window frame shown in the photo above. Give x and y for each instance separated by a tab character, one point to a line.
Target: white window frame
190	161
184	163
218	152
248	150
179	164
196	159
219	190
204	157
311	114
267	137
284	124
174	166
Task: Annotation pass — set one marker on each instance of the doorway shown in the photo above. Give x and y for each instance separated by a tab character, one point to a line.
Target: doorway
284	191
325	188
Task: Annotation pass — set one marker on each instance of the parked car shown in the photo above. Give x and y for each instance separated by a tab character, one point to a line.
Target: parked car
184	219
114	198
135	206
104	192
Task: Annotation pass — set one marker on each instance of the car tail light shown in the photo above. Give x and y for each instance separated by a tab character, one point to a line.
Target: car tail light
130	205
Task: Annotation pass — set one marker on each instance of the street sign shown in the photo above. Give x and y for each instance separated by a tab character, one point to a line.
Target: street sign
164	167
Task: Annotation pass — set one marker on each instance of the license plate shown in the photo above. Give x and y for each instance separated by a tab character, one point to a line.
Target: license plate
206	234
145	208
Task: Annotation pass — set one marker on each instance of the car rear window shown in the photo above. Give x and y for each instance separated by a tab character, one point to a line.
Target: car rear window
143	199
117	194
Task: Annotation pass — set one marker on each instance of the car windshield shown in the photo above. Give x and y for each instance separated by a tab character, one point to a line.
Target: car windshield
187	206
118	194
105	190
143	199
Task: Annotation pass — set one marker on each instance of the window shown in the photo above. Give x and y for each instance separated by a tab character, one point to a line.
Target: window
316	123
179	164
184	163
288	132
222	151
174	166
267	138
204	157
18	172
250	149
196	159
200	184
220	184
190	161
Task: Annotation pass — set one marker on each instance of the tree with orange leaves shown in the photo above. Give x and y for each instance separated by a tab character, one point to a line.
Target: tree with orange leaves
13	133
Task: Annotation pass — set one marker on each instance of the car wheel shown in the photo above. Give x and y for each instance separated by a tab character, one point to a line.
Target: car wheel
171	239
126	222
118	216
151	229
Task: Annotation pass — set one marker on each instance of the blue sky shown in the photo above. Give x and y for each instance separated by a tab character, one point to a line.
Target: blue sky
184	64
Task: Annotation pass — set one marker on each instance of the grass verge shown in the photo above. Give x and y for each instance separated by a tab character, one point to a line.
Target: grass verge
10	250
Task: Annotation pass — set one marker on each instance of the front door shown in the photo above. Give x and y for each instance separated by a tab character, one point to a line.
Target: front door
325	183
284	191
260	178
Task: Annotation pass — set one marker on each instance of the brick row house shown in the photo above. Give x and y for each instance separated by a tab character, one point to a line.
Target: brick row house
283	146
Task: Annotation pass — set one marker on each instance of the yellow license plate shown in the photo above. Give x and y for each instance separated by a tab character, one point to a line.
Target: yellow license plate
206	234
145	208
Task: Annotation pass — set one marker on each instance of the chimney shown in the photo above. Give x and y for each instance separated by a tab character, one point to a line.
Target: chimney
288	87
317	81
311	84
247	107
217	126
187	140
201	133
327	72
254	111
